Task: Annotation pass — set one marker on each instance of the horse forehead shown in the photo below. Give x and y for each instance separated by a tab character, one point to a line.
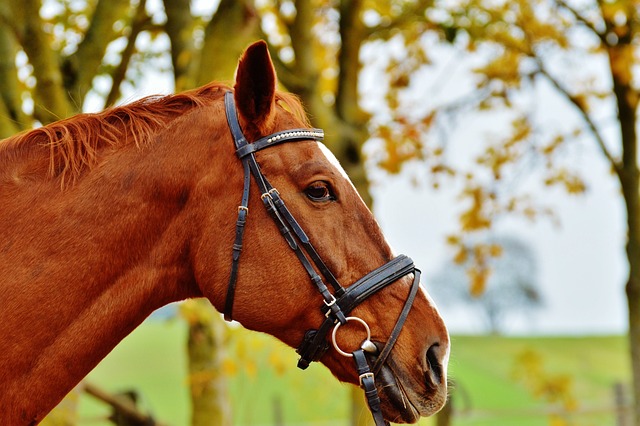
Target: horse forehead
331	158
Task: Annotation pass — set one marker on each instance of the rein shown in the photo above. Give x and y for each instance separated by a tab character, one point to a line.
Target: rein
337	304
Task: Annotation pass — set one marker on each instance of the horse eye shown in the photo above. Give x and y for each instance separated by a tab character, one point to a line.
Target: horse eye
319	192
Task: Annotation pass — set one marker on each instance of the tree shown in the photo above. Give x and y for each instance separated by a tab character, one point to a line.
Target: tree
586	53
511	285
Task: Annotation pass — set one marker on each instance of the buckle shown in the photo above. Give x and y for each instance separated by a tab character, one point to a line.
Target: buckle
329	305
365	376
266	195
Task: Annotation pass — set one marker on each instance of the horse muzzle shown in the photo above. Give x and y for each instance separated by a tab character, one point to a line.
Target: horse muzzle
408	395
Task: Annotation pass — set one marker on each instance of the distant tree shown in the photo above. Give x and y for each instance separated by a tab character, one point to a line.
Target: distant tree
511	287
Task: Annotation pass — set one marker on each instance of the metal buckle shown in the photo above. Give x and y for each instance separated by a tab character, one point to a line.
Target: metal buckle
246	209
329	305
266	195
364	376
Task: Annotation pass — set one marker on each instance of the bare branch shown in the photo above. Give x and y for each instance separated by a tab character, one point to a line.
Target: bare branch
590	25
81	67
140	20
124	407
581	111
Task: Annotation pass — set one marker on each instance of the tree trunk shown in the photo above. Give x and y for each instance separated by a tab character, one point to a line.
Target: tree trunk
12	119
220	53
621	56
50	99
630	188
208	385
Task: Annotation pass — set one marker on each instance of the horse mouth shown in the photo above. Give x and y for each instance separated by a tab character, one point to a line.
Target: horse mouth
404	400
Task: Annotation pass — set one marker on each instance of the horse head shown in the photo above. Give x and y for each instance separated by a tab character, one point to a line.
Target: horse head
275	291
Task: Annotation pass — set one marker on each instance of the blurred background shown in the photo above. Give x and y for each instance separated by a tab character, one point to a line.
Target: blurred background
495	141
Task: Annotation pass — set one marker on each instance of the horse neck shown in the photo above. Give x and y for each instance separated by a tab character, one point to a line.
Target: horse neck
84	266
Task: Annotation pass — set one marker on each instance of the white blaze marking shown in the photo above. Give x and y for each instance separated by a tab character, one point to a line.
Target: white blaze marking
333	160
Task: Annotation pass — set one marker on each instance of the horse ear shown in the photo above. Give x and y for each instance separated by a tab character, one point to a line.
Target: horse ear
255	86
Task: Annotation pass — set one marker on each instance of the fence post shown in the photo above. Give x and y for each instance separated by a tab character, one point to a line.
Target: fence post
620	399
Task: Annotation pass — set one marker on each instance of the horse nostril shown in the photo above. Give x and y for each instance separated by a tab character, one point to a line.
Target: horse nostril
433	363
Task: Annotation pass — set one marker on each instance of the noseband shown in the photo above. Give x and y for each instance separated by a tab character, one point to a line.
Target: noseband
337	304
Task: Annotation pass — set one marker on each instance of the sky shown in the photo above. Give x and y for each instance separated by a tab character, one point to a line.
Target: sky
581	260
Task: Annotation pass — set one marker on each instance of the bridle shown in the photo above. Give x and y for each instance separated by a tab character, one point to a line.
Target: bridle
337	304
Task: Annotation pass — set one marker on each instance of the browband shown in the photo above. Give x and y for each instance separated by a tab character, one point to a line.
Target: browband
276	138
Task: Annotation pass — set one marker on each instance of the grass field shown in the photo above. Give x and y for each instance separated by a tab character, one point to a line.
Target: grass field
153	361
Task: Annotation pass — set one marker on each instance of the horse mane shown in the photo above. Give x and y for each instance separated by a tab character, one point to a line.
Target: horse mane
73	142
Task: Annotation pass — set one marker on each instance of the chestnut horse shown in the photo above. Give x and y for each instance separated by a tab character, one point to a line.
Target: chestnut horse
106	217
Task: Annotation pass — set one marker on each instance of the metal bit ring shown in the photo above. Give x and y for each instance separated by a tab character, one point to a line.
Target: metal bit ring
335	330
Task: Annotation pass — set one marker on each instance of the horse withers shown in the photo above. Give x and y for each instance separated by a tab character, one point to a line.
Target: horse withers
216	192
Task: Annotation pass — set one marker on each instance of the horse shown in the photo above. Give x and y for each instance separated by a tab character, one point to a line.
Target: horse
105	217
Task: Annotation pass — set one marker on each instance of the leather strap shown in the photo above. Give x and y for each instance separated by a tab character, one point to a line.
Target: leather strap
367	383
395	333
243	212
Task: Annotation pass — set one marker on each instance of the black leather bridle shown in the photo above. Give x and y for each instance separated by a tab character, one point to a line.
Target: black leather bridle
337	304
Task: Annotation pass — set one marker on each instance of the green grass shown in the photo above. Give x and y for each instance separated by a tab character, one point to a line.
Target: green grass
483	368
153	361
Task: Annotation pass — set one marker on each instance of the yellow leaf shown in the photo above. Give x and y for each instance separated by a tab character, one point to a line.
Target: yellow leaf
461	256
453	239
229	367
555	420
251	369
478	278
495	250
278	364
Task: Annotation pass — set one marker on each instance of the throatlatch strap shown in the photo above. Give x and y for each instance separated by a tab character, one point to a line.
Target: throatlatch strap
367	383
